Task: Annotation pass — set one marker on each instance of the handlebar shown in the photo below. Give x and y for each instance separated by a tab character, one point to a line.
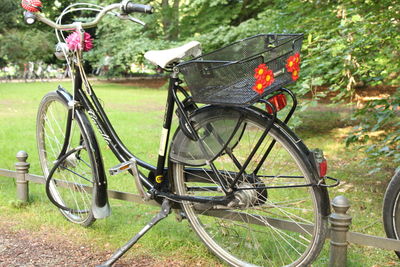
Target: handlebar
132	7
129	7
126	7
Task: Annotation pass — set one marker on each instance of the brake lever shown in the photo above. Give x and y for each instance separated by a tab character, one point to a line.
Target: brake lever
127	17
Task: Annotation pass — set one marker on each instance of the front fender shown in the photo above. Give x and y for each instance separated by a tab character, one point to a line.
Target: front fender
100	205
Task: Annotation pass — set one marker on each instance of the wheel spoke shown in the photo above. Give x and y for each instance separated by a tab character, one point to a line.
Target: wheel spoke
72	181
260	226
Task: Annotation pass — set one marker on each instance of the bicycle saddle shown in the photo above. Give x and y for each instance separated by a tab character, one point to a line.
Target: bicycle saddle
165	57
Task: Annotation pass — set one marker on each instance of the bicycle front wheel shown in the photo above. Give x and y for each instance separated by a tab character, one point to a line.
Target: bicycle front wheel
73	180
274	217
391	209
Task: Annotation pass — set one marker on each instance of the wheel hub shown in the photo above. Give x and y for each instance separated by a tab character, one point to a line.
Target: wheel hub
245	198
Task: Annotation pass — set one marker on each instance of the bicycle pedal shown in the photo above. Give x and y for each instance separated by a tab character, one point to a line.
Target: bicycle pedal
120	167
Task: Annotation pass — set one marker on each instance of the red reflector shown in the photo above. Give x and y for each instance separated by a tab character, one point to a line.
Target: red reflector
323	168
279	101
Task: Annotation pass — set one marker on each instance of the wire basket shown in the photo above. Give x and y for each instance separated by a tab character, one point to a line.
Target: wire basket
229	76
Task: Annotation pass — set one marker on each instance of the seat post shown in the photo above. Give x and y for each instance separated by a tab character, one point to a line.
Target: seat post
168	114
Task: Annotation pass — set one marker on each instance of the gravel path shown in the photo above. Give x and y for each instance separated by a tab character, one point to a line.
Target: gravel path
25	248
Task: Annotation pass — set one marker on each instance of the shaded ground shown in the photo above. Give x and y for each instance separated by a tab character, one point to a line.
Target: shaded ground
24	248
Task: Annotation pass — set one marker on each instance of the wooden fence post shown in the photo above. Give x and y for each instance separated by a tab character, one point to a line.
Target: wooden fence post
22	168
340	223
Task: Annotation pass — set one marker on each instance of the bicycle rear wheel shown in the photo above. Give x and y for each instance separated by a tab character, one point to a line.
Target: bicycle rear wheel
73	180
262	227
391	209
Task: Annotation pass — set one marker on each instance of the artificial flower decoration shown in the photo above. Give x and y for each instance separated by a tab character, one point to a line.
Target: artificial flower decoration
293	65
74	42
269	78
32	5
297	57
295	75
260	71
259	87
264	78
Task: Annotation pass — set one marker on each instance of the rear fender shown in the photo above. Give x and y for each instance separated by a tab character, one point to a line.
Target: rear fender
180	140
185	149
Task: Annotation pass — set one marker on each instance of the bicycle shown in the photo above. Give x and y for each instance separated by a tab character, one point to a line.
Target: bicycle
391	208
249	187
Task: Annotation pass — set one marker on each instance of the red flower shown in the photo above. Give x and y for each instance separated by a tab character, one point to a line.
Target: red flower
297	56
293	65
264	78
268	79
295	75
260	71
259	87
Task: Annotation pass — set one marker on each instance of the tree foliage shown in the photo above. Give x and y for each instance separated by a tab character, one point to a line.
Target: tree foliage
21	43
381	118
348	44
9	15
23	46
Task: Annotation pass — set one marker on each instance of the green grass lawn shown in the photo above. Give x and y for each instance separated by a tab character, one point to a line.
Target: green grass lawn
137	115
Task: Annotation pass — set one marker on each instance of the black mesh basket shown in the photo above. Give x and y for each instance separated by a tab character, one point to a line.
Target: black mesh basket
226	76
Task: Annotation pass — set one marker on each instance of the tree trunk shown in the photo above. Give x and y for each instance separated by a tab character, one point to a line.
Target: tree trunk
166	21
250	9
175	26
170	19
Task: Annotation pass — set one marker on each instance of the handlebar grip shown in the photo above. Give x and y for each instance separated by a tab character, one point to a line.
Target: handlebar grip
132	7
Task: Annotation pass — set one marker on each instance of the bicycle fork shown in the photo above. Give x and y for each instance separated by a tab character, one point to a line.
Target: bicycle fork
165	210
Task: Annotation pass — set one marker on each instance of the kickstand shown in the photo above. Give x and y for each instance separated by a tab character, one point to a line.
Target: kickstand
165	209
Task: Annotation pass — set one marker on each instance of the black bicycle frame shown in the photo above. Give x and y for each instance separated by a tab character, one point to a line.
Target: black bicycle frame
89	102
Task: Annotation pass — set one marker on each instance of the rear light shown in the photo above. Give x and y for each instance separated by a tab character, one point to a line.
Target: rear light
323	168
320	162
278	101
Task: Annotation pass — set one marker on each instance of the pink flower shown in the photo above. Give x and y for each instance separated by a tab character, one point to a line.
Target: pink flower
74	41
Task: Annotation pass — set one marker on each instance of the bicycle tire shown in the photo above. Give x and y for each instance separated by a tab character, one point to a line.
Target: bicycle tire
243	234
74	202
391	209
